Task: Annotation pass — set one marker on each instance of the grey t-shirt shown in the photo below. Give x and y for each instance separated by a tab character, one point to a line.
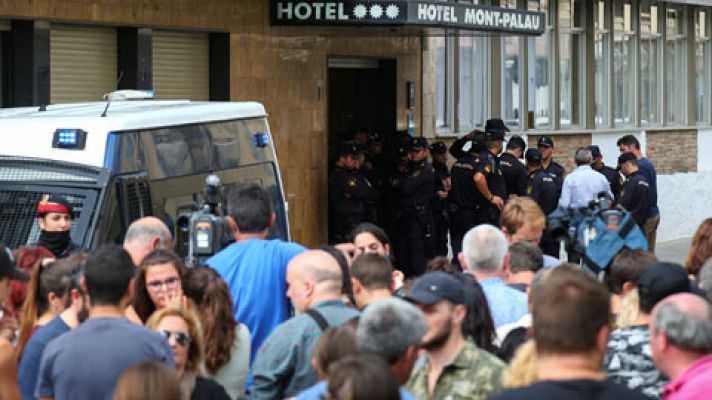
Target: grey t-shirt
87	362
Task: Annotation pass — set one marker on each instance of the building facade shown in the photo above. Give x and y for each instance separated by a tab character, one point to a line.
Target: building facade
601	69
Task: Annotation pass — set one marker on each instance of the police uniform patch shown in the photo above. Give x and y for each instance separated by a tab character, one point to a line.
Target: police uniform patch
351	182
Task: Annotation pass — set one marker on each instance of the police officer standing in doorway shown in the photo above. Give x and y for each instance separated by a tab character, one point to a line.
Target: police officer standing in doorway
513	171
491	189
438	153
611	174
415	214
551	167
541	186
634	196
350	193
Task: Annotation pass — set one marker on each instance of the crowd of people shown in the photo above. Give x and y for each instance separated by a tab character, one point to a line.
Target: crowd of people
421	200
269	319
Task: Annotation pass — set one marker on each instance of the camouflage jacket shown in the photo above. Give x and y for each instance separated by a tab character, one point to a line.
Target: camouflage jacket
473	374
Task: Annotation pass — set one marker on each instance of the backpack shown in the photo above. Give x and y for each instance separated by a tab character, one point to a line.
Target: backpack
603	234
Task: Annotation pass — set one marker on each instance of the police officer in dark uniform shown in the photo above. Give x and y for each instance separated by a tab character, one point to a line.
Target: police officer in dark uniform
611	174
415	215
349	193
491	190
54	217
438	153
513	171
473	142
551	167
463	208
634	196
541	186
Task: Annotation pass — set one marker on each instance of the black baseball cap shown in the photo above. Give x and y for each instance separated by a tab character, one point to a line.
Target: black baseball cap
418	143
533	155
496	124
595	151
438	148
545	141
625	157
7	266
350	149
662	280
434	287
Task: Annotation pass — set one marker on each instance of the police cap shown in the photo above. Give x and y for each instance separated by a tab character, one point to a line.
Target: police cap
496	124
418	143
438	148
545	141
533	156
494	135
349	149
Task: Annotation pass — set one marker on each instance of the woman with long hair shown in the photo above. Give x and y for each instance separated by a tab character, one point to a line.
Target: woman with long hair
227	350
44	299
185	336
701	248
371	238
25	258
158	283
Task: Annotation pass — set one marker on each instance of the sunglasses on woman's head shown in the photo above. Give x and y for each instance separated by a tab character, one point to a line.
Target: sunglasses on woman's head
182	339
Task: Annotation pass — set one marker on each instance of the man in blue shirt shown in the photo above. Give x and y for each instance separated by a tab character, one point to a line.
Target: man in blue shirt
86	363
630	144
583	184
255	268
485	254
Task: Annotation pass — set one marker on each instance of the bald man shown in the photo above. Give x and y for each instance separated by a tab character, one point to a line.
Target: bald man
145	235
283	367
681	343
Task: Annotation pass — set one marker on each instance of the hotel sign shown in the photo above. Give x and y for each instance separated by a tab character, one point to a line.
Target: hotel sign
406	13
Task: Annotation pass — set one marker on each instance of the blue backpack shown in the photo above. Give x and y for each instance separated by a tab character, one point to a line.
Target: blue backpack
609	237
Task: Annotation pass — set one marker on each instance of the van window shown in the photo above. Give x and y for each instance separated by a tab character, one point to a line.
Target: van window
200	148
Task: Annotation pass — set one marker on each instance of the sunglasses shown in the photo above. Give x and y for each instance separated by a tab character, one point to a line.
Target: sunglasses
169	283
182	339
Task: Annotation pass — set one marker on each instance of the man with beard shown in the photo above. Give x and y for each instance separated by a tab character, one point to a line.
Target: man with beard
75	312
54	216
453	366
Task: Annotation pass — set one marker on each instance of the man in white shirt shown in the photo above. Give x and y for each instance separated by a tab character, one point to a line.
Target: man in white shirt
583	184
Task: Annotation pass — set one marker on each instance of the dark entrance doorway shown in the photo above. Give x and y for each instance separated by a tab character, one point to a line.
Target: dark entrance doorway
362	97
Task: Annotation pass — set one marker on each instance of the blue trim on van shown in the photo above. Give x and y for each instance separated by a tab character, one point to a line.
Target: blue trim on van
110	154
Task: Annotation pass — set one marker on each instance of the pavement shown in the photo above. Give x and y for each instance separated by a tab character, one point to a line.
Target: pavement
673	250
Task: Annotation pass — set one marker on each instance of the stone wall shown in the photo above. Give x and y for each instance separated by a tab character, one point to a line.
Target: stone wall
672	151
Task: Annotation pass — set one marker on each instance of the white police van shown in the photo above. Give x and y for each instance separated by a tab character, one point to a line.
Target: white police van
120	160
